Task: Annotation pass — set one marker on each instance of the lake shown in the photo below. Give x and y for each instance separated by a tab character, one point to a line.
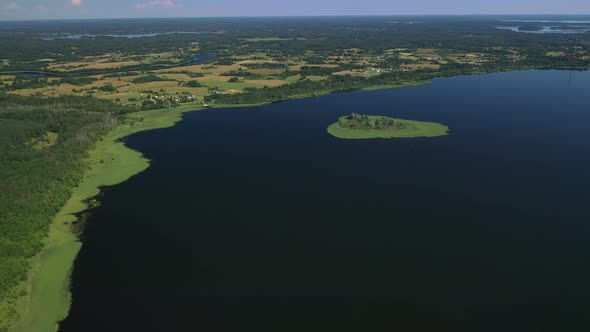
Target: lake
127	36
201	58
547	29
258	219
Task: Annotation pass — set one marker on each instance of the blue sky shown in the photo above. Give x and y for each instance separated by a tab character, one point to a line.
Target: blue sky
57	9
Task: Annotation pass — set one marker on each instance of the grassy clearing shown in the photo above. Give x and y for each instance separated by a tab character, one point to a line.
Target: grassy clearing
267	71
266	39
351	73
316	78
110	163
418	66
236	105
85	65
292	79
396	86
46	141
268	82
555	54
411	129
225	85
407	56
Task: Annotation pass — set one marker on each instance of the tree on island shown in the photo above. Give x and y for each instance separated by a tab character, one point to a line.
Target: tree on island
363	121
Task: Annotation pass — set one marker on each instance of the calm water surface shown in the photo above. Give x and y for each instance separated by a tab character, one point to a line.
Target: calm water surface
257	219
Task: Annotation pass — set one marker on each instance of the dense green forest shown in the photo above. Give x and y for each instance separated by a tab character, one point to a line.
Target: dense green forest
43	142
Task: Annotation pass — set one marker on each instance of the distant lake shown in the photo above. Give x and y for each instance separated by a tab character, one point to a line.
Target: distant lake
33	74
200	58
548	29
128	36
550	21
258	219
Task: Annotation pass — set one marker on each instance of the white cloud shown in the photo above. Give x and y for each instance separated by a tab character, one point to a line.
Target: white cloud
158	3
8	6
76	2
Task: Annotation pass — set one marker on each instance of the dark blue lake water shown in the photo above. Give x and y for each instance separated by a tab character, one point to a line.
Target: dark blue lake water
257	219
201	58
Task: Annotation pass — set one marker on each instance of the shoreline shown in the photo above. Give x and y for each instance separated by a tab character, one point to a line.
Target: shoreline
110	163
48	284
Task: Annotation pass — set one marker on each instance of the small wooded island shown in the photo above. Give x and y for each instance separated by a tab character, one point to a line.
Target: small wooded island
360	126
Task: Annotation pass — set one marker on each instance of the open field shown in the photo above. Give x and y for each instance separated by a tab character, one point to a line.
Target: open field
91	65
555	54
255	70
223	84
108	61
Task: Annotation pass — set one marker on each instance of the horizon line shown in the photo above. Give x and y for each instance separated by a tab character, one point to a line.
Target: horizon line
288	16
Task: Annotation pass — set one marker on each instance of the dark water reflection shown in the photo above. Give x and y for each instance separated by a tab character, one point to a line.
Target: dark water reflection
257	219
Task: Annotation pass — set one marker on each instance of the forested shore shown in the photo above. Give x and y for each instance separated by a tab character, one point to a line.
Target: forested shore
43	146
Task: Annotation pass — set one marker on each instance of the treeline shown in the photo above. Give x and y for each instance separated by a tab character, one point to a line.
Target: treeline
21	82
308	88
150	78
36	181
265	65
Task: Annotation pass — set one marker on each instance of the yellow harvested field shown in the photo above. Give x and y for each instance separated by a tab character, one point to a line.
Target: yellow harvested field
204	69
155	86
256	61
556	54
267	71
423	51
416	66
407	56
179	77
214	78
269	83
91	65
351	73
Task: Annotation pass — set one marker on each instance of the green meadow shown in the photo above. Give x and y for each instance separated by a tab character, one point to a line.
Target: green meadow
406	129
395	86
